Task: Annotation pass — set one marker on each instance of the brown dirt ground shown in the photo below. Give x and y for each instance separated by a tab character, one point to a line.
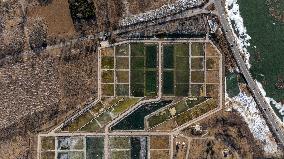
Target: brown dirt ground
107	51
197	63
11	29
197	76
160	154
210	50
166	126
159	142
51	85
138	6
212	63
229	131
101	15
222	44
274	10
116	11
180	147
207	148
122	76
212	76
212	90
57	17
8	150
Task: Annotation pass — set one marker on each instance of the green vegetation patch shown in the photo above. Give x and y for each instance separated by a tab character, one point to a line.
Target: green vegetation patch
99	107
181	49
122	90
151	56
181	107
182	76
107	62
137	76
194	101
197	76
197	49
166	114
182	63
108	102
94	147
168	82
104	118
137	49
197	63
92	126
122	76
137	63
196	111
182	90
48	143
122	50
158	118
120	155
122	62
168	56
111	101
120	143
79	122
108	89
151	83
107	76
124	105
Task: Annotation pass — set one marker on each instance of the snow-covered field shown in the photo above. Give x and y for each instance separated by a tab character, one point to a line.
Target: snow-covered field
243	41
165	10
247	108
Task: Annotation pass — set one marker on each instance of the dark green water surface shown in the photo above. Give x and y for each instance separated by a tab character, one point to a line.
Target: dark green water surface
267	34
135	121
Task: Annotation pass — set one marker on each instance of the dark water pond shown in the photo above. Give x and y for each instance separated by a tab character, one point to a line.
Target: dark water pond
135	121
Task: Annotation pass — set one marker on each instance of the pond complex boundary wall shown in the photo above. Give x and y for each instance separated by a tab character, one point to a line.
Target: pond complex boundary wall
157	97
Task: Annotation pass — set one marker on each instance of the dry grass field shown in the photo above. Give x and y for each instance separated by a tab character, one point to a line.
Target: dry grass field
46	87
226	130
56	15
139	6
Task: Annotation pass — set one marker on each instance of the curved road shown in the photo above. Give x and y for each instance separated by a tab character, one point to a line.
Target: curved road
259	98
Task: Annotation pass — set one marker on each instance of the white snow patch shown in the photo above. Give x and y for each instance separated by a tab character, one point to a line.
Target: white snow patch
248	110
243	42
242	37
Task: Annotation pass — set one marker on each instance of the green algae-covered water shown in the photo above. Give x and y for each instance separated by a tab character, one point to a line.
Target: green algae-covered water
267	57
